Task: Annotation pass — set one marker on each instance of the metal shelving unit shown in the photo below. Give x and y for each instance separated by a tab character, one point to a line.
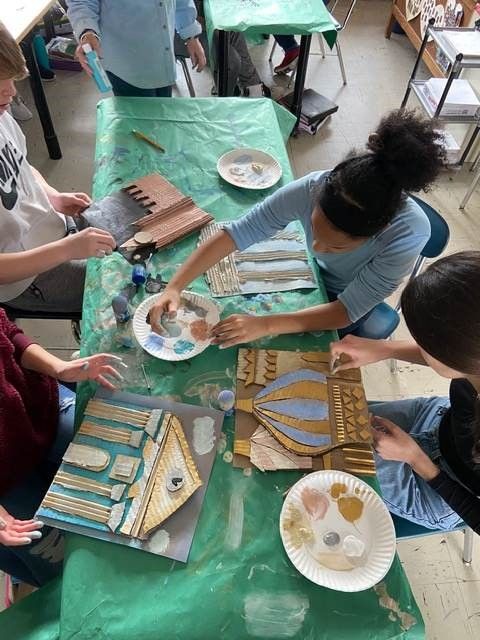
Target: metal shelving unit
458	62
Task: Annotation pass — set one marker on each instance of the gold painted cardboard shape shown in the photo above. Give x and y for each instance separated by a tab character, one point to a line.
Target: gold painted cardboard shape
308	411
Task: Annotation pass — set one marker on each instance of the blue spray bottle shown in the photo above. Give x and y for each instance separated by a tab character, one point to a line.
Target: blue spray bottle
99	75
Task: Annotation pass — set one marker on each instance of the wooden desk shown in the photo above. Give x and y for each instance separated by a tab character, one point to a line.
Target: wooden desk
20	17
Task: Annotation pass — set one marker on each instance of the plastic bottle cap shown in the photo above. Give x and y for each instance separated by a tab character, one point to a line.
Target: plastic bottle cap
87	48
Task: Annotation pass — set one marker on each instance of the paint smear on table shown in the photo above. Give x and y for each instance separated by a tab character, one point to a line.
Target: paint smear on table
405	619
275	614
203	435
233	535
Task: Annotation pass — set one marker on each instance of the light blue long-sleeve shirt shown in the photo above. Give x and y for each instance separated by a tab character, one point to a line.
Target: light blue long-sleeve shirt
362	278
137	35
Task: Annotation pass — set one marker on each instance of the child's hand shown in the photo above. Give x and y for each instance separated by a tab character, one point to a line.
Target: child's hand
89	243
393	443
196	53
98	368
14	533
355	352
71	204
91	38
168	302
239	328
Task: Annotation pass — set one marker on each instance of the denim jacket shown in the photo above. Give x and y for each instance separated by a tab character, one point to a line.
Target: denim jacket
137	35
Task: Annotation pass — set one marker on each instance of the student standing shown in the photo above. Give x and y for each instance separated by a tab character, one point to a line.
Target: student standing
136	41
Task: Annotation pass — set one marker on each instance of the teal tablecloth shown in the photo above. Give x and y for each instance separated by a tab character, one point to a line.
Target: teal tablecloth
238	582
297	17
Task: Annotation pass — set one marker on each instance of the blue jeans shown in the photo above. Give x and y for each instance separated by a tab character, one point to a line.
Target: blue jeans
40	561
286	42
378	328
406	494
122	88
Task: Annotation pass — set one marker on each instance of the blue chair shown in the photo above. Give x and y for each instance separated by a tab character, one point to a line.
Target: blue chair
405	529
383	320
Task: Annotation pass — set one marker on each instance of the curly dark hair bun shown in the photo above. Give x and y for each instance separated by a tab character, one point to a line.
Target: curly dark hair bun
409	148
365	191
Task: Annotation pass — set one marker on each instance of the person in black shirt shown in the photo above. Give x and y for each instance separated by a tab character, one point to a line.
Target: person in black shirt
428	449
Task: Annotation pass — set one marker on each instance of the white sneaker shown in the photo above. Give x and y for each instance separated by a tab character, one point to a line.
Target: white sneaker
19	110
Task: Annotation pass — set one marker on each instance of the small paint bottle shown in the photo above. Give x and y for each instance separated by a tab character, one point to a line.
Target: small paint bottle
123	317
99	75
226	401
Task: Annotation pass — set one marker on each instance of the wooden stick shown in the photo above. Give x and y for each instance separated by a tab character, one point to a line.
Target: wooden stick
266	256
360	461
88	504
76	506
105	433
73	481
74	511
252	276
150	484
115	407
360	452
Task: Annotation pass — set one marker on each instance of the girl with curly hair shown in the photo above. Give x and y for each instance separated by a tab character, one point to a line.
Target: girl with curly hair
361	226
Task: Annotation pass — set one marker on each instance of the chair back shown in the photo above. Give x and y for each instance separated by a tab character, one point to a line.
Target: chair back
179	47
13	314
331	7
440	232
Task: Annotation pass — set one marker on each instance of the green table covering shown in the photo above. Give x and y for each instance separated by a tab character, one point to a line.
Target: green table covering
238	582
297	17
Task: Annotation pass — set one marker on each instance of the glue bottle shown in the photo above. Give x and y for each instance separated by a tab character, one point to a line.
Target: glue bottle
123	317
99	75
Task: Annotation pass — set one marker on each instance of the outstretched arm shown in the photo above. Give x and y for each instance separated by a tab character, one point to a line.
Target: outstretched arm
88	243
204	257
358	352
237	329
71	204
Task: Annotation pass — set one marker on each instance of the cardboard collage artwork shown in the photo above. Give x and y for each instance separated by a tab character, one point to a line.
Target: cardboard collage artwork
151	204
291	413
171	215
132	469
280	263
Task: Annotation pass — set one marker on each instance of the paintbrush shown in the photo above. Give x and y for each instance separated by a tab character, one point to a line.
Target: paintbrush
147	380
142	136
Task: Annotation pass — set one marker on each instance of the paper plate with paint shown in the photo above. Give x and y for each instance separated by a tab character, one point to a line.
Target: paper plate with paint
184	336
337	531
249	169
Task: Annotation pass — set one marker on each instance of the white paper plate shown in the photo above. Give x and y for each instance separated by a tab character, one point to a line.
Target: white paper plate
303	535
236	168
187	338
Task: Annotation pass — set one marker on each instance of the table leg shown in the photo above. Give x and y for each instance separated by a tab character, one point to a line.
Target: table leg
49	26
296	108
222	56
40	100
